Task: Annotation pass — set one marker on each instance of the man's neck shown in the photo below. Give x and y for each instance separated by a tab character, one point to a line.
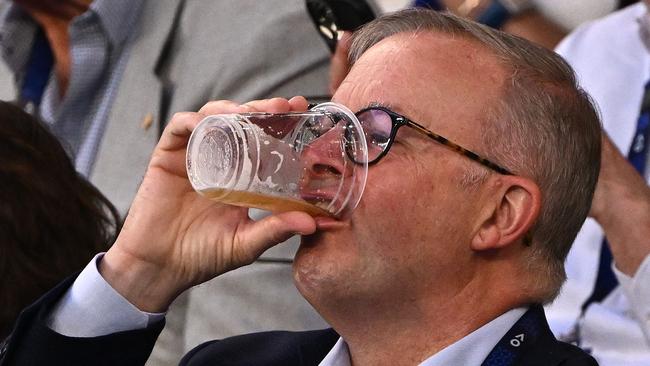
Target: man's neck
412	332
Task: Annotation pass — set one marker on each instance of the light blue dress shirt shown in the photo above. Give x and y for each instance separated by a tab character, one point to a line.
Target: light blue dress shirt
91	308
99	40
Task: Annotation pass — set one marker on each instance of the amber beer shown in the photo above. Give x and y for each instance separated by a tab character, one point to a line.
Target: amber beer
264	202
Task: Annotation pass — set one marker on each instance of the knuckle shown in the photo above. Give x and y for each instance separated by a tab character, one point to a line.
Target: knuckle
182	116
216	106
279	100
179	118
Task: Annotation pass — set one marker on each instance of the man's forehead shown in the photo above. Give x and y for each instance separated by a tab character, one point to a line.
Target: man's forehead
414	71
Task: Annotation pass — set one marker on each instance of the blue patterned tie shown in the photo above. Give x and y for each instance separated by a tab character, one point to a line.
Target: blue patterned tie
38	72
606	280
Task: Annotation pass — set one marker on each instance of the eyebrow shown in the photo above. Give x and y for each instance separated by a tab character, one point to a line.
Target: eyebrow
374	104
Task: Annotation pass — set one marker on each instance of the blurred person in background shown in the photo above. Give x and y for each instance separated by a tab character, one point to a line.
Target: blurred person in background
52	220
605	304
545	22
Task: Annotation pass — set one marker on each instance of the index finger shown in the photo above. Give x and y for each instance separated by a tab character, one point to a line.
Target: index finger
222	107
178	130
273	105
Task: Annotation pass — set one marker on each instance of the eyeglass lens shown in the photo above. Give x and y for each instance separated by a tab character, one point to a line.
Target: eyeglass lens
377	126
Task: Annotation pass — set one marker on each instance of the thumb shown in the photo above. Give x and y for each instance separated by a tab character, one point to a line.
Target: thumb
272	230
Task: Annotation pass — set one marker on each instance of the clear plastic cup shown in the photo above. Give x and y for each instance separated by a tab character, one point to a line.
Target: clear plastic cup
295	161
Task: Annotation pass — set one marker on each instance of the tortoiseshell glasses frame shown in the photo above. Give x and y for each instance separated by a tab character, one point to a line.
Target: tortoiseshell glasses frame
380	138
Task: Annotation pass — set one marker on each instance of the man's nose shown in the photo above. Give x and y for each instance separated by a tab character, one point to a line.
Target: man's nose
325	156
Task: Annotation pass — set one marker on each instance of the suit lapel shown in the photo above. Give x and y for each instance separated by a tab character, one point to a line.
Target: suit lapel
132	128
530	342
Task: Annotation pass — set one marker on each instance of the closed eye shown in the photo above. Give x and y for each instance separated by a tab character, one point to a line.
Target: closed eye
378	138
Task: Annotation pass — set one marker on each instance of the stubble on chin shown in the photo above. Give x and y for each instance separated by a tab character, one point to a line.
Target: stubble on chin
317	273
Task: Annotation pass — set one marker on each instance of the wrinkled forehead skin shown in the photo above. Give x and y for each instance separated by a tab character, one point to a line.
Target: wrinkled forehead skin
445	83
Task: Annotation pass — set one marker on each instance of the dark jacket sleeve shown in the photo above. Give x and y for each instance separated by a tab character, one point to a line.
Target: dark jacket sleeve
33	343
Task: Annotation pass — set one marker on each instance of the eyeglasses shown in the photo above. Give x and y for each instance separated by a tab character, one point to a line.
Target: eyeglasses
380	127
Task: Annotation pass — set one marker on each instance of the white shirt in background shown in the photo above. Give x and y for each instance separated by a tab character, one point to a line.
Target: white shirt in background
613	64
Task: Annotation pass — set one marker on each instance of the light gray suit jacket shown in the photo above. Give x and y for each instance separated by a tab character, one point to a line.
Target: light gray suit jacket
183	54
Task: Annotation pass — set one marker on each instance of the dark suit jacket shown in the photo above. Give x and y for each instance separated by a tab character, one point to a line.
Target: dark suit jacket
32	343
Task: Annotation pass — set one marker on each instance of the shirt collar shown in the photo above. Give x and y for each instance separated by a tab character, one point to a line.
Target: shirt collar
17	30
472	349
117	17
339	355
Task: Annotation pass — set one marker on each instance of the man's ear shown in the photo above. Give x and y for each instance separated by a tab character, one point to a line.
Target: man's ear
512	210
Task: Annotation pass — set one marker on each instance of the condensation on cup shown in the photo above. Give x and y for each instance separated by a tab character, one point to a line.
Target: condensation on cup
298	161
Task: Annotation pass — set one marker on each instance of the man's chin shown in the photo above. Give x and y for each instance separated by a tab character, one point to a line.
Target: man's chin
307	279
313	265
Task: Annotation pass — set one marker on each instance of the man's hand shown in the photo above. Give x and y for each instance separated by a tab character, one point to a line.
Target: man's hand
174	238
621	205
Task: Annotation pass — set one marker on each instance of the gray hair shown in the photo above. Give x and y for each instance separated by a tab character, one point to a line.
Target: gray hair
544	127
